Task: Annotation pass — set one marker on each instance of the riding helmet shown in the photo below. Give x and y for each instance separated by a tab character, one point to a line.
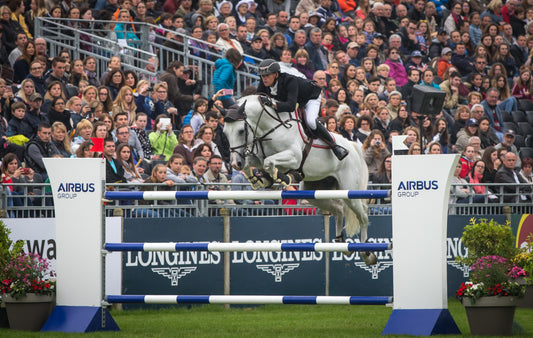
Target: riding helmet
268	66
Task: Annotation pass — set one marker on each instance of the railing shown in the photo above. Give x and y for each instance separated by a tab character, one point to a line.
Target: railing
35	201
95	38
92	41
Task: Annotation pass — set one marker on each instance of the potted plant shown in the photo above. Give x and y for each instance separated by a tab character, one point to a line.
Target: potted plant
483	237
28	290
524	260
8	250
490	297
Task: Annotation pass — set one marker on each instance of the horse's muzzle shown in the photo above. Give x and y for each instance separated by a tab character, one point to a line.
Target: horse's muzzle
235	164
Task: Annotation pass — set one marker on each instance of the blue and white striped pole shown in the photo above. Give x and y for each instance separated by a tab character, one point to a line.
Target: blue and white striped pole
244	195
259	299
228	247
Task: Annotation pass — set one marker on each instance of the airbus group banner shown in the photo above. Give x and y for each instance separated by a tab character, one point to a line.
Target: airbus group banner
77	188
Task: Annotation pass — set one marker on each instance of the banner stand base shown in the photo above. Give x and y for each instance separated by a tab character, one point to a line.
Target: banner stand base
80	319
418	322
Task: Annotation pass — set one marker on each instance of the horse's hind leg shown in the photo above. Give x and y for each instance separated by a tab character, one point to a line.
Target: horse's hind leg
357	220
335	207
357	216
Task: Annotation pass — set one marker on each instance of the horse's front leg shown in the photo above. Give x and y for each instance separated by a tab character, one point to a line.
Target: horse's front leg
368	257
255	174
279	163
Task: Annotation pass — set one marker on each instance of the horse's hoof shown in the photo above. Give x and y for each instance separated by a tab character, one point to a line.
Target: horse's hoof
267	183
285	180
340	239
369	258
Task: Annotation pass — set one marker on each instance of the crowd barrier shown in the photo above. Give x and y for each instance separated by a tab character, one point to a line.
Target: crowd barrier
33	201
421	202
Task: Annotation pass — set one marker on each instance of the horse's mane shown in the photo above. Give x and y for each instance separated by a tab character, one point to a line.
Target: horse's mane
252	98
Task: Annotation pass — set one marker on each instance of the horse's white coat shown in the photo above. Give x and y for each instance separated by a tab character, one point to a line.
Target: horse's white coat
283	149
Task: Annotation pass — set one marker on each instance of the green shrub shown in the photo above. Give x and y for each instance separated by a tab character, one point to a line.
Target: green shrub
8	250
487	238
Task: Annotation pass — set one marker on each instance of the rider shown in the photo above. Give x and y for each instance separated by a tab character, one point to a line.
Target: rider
289	90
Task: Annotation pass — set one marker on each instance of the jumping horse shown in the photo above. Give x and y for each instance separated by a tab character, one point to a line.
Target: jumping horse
275	142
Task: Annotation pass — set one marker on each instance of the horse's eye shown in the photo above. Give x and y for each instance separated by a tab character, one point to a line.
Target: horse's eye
240	132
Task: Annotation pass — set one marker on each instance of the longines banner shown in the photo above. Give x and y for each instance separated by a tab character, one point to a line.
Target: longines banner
286	273
173	272
251	272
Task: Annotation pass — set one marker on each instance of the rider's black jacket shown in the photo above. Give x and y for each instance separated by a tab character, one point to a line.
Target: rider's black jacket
291	90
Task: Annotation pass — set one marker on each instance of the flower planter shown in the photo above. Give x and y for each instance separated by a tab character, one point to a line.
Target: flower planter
3	316
28	313
527	301
490	316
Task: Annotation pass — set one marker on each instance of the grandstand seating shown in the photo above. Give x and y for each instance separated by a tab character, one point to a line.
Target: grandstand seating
519	116
525	152
525	128
529	141
525	104
519	141
510	125
529	115
506	117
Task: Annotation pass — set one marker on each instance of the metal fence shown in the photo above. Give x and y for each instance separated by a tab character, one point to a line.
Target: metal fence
96	38
36	201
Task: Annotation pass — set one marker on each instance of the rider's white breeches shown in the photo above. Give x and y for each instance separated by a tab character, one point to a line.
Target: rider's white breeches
312	108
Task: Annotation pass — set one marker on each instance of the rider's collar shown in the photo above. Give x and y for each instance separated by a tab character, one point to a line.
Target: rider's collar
274	88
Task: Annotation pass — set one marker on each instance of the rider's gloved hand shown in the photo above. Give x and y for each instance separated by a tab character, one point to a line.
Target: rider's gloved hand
265	100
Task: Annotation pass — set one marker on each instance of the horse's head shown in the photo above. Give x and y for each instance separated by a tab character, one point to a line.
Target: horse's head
246	130
236	133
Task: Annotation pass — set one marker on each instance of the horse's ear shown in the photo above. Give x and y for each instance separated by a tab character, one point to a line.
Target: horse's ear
221	110
240	112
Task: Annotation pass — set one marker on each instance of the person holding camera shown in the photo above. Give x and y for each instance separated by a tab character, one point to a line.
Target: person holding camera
144	102
225	76
375	150
12	172
162	105
162	138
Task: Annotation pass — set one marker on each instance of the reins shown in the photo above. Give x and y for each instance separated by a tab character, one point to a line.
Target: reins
256	145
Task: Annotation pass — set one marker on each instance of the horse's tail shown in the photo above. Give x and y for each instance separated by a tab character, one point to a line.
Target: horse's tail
353	222
363	179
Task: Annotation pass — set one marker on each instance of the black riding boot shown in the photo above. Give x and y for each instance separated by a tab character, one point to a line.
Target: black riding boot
325	136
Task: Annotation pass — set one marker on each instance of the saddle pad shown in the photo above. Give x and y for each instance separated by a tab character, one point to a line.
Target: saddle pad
317	143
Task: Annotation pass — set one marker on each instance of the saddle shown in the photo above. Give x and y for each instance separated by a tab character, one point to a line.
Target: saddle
307	133
300	116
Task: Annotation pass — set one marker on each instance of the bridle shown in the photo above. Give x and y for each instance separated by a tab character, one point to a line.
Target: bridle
256	145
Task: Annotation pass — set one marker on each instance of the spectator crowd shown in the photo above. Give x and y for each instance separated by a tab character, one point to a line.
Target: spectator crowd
365	55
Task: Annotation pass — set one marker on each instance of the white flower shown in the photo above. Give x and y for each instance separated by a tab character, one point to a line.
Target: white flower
476	286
